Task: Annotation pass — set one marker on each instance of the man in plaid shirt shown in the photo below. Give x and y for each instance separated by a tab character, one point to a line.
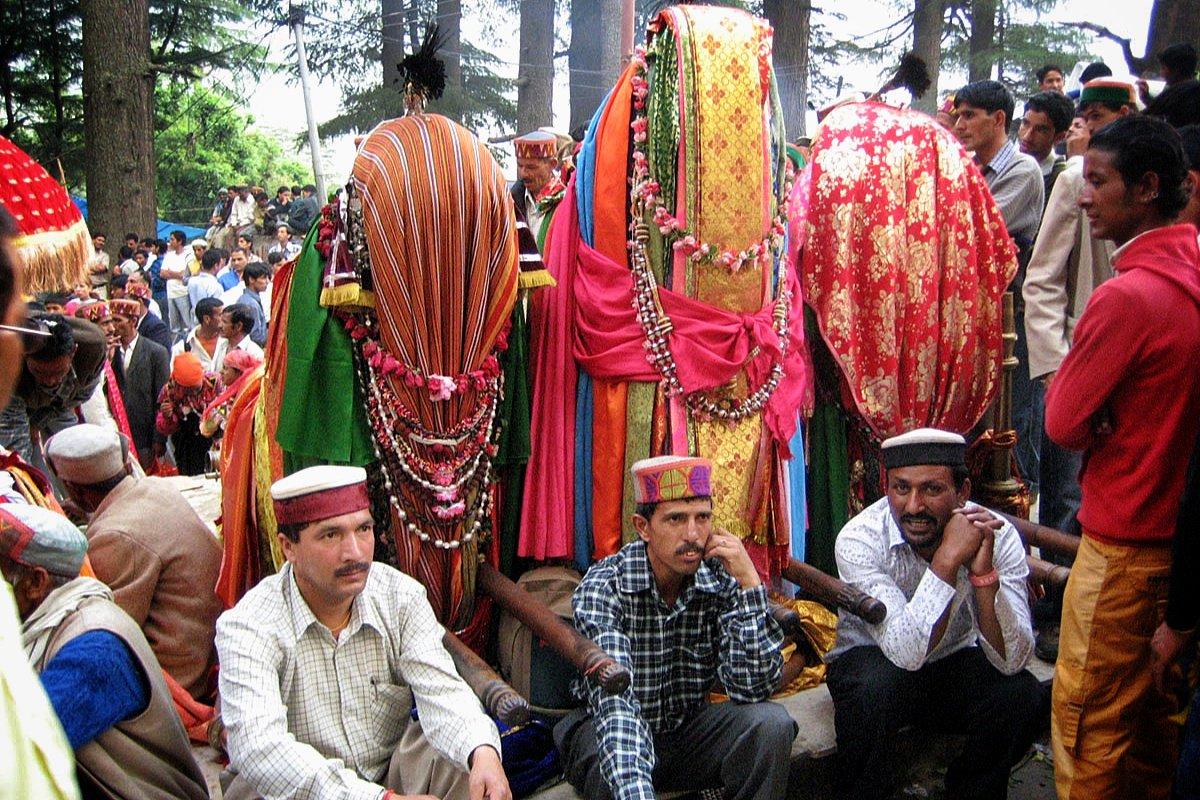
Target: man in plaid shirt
681	608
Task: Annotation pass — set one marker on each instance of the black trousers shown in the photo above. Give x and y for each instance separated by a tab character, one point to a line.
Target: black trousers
746	749
962	693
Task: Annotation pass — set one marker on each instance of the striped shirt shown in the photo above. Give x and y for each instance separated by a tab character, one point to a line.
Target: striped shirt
1015	180
715	630
310	717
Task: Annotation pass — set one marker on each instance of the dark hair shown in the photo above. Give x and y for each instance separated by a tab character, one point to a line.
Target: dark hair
1047	69
161	244
1180	59
1140	145
240	314
1097	69
247	236
275	258
1055	105
8	270
308	187
129	236
179	236
220	251
125	252
959	474
1189	135
291	530
98	234
119	281
1178	104
255	269
295	190
282	189
210	261
241	250
991	96
148	242
206	307
60	342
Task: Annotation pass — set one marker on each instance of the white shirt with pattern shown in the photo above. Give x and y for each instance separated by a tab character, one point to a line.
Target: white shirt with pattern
312	718
872	556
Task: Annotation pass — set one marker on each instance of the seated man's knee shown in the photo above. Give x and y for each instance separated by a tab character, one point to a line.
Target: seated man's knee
772	725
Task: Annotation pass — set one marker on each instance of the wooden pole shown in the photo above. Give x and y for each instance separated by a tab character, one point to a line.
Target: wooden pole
596	665
833	592
627	22
500	699
1043	538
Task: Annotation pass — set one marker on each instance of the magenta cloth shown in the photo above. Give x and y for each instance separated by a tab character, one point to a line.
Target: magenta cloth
592	309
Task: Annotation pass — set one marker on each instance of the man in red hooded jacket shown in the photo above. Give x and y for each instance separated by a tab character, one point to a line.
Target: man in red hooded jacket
1128	396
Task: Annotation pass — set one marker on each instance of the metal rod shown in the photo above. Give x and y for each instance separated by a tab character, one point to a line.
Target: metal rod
296	21
596	665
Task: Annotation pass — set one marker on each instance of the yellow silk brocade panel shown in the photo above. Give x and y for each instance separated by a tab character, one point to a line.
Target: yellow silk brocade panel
731	213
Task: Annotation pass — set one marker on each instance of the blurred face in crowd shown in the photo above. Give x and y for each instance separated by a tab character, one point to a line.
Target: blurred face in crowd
243	241
237	260
99	241
535	173
259	285
1053	82
282	234
976	128
229	375
51	372
1097	115
1036	135
140	258
82	291
125	327
131	242
198	251
136	279
1114	209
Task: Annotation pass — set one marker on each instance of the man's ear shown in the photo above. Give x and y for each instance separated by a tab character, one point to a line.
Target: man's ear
642	526
964	494
286	545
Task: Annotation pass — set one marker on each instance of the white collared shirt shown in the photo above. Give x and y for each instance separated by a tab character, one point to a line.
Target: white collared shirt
210	363
127	351
873	557
311	717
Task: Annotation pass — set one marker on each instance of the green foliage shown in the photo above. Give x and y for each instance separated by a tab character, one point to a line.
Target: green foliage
206	142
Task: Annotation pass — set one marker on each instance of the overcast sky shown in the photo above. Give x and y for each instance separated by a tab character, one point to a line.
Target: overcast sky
277	101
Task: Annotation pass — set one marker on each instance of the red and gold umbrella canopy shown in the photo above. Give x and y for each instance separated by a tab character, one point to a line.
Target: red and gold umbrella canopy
53	239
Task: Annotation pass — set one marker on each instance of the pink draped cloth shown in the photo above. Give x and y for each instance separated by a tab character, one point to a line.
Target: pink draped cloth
588	321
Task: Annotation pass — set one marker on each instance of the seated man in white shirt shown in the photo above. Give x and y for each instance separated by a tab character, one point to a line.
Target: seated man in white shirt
950	655
322	662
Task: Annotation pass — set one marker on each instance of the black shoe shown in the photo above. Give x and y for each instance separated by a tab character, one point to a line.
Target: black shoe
1045	645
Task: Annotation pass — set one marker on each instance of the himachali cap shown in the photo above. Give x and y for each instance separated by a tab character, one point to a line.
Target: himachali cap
38	537
1108	90
925	446
95	311
86	454
538	144
656	480
318	493
126	307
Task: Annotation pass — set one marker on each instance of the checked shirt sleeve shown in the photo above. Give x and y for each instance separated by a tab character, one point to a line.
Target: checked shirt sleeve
625	742
751	661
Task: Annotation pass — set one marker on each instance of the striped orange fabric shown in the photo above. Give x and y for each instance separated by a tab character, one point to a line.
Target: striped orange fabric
441	232
442	235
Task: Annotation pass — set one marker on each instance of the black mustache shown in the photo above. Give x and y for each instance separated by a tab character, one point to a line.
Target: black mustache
350	569
918	518
688	549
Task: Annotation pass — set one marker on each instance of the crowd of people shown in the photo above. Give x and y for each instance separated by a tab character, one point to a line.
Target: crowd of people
331	675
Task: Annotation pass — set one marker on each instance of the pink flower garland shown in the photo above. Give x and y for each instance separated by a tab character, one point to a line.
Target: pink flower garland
647	190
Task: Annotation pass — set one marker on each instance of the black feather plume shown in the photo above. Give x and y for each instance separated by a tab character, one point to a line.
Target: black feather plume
424	73
912	74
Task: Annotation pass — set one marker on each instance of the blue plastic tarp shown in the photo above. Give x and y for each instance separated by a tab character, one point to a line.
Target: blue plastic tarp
164	227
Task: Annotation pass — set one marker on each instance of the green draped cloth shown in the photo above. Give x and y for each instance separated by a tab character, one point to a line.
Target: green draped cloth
323	418
512	454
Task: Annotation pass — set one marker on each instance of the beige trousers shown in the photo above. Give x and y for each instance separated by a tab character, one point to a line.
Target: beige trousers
415	768
1111	735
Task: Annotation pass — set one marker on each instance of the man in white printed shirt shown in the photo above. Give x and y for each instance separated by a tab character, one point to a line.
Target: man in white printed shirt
951	652
321	664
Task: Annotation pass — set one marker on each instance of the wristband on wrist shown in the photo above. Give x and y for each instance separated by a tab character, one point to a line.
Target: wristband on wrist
987	579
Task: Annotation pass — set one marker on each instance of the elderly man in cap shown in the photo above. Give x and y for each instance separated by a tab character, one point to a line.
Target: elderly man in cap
322	662
98	670
145	541
681	607
538	189
951	652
